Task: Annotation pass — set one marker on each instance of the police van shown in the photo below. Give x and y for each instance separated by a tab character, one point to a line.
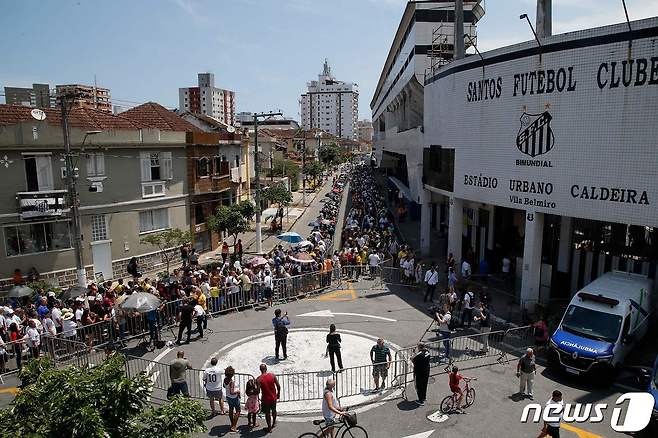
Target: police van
601	325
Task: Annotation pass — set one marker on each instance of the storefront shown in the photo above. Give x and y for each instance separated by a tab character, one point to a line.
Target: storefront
555	155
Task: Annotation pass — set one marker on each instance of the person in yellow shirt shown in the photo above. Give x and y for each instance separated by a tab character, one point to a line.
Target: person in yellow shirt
203	302
358	261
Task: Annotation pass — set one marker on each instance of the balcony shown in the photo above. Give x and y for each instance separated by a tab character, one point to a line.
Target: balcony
35	205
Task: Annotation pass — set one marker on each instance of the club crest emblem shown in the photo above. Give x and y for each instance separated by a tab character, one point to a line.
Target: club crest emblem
535	134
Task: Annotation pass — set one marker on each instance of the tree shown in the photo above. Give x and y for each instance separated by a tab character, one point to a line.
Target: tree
332	154
289	168
232	219
166	240
314	169
278	194
101	402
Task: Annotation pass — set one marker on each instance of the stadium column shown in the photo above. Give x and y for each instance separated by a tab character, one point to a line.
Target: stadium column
532	245
425	222
455	229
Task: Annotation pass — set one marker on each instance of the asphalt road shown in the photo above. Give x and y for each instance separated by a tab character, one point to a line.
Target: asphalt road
496	412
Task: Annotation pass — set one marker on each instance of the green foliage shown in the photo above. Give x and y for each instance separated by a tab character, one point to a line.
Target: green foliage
98	402
166	240
287	168
180	418
278	194
332	154
314	170
231	219
33	369
45	285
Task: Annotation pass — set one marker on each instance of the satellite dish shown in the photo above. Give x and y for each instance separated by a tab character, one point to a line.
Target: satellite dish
38	114
230	129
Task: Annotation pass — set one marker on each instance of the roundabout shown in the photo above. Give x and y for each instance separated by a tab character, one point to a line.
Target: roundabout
304	373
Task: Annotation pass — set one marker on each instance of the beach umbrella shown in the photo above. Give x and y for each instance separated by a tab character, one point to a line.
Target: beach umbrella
257	261
74	291
20	291
304	243
141	302
290	237
301	257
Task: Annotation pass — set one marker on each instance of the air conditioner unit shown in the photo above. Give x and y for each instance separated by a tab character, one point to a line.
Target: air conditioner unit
96	186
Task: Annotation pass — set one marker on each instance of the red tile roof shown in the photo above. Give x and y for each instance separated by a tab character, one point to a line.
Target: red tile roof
83	118
155	115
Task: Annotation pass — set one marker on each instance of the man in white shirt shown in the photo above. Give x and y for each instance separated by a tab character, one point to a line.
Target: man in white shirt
212	381
467	312
431	279
56	314
199	314
373	261
552	428
443	319
466	269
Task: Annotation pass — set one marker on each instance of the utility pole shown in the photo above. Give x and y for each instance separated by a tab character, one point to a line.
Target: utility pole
259	231
304	173
271	165
73	196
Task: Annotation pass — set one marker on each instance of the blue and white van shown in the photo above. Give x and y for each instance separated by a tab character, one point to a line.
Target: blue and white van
602	324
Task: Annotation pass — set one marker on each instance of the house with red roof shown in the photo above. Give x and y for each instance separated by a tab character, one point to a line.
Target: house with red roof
132	175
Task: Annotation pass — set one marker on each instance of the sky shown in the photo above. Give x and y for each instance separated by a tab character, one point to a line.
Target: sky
264	50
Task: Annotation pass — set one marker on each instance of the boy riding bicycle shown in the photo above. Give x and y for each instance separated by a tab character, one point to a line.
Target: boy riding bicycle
453	381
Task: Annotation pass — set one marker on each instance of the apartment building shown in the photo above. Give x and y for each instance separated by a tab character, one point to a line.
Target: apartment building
39	96
132	180
208	100
87	96
331	105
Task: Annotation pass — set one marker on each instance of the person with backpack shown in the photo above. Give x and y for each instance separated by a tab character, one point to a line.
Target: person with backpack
280	324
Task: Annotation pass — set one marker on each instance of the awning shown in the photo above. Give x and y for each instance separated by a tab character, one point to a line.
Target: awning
402	188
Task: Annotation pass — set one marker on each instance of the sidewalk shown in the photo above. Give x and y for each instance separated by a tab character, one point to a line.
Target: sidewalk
296	219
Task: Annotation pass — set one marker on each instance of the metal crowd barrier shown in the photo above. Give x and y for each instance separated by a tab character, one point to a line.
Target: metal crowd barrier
360	380
158	373
497	344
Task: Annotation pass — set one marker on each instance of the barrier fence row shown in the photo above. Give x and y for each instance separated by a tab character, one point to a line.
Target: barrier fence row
497	344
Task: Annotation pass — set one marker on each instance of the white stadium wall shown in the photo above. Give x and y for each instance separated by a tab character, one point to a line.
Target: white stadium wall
591	111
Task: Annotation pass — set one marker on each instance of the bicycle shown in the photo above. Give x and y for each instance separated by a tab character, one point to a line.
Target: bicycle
449	402
352	431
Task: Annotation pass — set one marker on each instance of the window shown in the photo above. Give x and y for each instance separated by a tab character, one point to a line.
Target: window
35	238
156	166
38	173
199	216
96	164
153	220
202	167
98	228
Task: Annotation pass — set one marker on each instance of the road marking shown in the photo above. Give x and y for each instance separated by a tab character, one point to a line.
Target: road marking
13	390
437	417
580	432
421	435
330	314
338	295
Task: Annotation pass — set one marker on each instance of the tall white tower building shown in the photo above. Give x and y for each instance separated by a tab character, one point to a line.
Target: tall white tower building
331	105
208	99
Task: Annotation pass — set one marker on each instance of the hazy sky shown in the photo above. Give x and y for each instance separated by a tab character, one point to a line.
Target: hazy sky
265	50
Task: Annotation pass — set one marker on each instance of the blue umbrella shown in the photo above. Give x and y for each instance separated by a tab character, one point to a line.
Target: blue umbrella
314	224
290	237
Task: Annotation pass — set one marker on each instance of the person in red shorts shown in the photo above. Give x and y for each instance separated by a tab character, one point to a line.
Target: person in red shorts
454	379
